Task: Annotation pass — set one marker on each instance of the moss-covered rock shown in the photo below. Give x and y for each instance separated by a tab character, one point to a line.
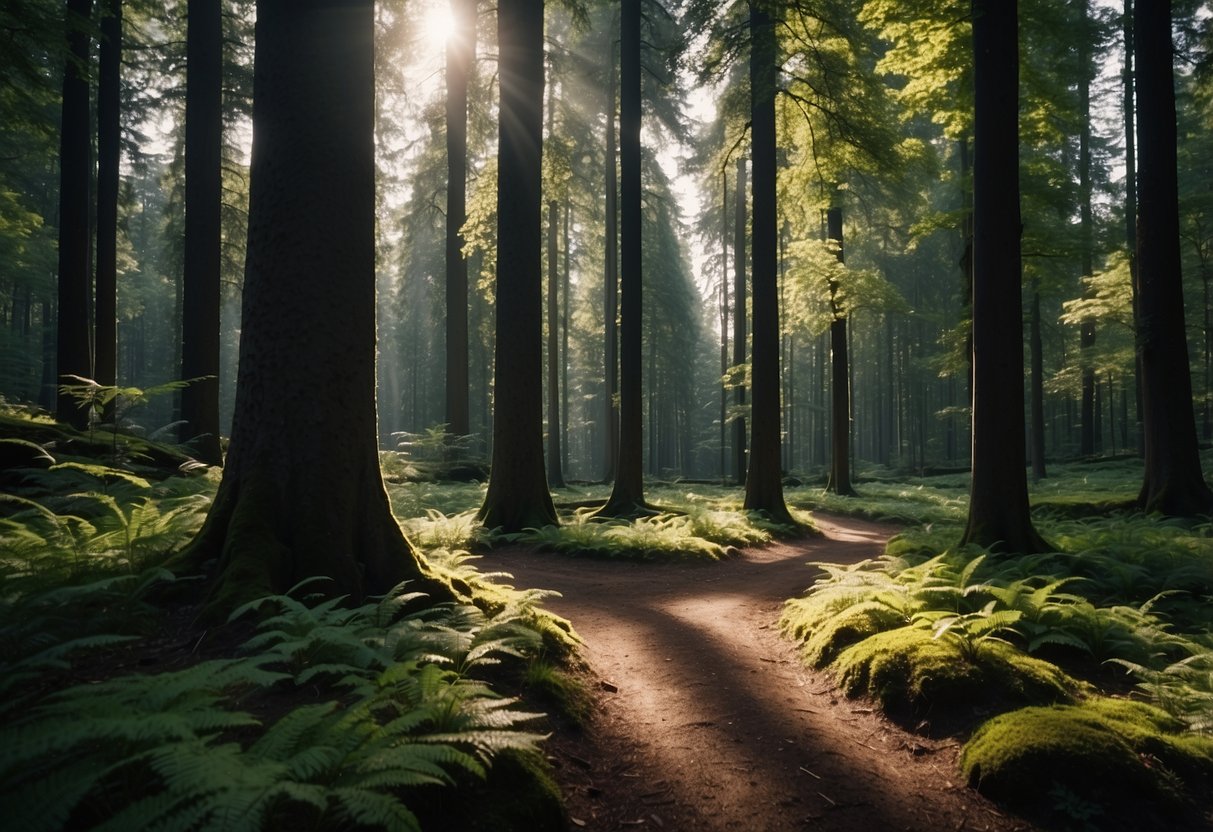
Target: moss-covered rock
826	639
907	667
1111	755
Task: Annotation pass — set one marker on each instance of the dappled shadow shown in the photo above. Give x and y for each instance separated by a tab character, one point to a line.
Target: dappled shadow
710	722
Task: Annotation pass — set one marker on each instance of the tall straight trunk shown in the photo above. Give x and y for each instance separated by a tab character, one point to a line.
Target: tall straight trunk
627	496
72	354
109	135
518	496
610	284
764	479
555	472
724	322
1130	108
200	301
302	493
1174	483
840	380
1037	432
1090	415
739	322
460	63
966	260
998	497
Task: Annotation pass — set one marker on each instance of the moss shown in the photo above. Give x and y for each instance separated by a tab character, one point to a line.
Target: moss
850	626
1113	754
906	667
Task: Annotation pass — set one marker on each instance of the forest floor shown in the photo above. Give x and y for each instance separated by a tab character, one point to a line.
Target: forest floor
706	719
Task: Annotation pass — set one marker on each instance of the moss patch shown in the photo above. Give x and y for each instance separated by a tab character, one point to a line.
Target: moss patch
825	637
1111	755
906	667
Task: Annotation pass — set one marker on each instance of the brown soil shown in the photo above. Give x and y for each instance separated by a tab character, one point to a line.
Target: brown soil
706	719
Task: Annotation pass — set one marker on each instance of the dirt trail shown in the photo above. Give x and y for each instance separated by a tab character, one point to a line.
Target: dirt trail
707	720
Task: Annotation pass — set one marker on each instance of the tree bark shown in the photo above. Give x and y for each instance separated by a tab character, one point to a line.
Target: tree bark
109	135
203	205
302	493
518	496
739	322
724	322
460	62
764	477
840	378
1130	107
998	500
1173	483
627	496
72	354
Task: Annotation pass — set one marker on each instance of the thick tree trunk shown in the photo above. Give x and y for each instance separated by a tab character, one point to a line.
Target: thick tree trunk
627	497
203	205
610	284
840	380
1174	483
460	62
764	477
555	473
724	323
109	134
998	500
518	496
564	337
302	494
73	354
739	322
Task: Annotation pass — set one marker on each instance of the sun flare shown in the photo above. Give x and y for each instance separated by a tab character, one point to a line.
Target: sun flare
439	24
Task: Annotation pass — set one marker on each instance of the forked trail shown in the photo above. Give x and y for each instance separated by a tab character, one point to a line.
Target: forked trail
707	720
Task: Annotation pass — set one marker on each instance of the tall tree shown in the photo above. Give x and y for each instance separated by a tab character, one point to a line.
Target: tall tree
1173	483
203	230
518	496
764	480
109	153
627	495
302	493
460	63
554	456
840	376
72	342
998	497
1088	438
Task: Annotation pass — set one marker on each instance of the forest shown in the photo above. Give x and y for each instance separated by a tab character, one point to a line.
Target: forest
659	414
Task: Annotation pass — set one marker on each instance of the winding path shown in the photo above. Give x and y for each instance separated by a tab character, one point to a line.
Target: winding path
707	720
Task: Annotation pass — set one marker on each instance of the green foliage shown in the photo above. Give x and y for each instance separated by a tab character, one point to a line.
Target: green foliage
1108	753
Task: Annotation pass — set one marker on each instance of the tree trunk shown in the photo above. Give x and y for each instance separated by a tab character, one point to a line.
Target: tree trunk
72	340
203	205
610	284
739	323
764	479
109	135
1130	109
627	497
998	500
724	323
564	338
555	472
460	63
518	496
840	380
1174	483
302	493
1090	415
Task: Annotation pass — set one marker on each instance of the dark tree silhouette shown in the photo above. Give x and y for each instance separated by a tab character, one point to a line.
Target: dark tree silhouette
998	498
302	493
518	496
203	235
627	496
460	62
1173	483
840	377
764	479
109	135
72	341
